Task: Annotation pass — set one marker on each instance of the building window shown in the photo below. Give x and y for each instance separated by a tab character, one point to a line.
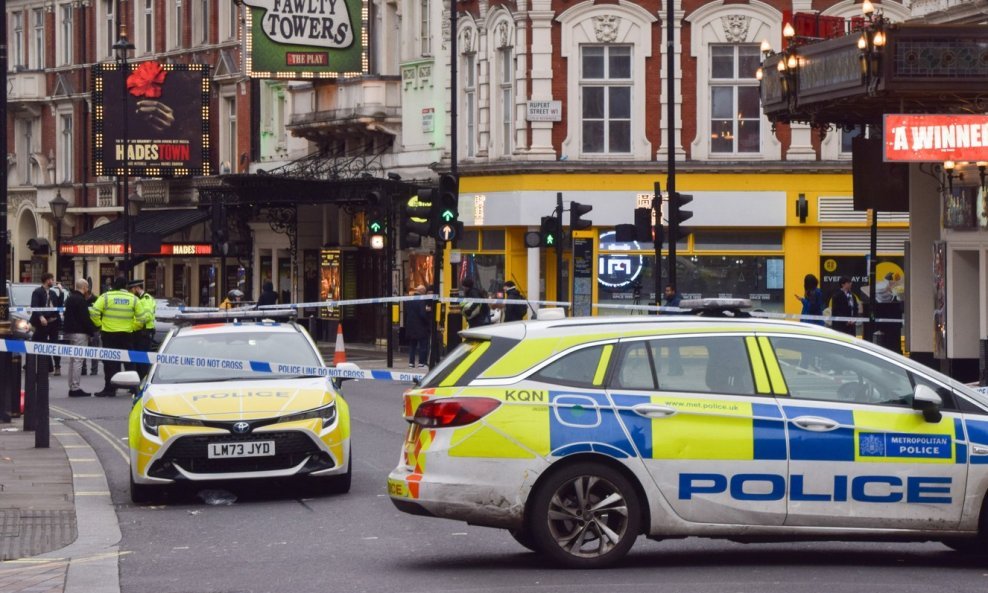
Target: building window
17	40
65	148
107	31
425	37
230	20
228	136
847	138
65	37
37	56
506	64
605	91
469	77
176	27
25	148
146	20
735	110
202	21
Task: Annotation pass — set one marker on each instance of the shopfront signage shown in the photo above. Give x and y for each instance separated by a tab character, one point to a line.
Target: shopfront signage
618	270
173	249
545	111
934	138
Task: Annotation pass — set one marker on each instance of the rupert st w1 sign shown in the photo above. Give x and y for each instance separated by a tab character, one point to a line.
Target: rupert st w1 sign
306	38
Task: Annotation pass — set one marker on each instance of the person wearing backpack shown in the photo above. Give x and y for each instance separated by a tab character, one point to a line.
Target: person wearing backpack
476	314
515	311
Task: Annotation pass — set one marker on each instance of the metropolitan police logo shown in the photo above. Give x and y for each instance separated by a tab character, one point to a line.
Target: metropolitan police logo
241	427
872	445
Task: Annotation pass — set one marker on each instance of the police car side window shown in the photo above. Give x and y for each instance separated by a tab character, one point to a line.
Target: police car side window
714	364
635	369
820	370
576	368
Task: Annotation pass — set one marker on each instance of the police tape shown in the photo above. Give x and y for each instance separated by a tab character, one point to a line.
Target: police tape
202	362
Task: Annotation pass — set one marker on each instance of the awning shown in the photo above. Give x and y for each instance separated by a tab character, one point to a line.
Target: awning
159	222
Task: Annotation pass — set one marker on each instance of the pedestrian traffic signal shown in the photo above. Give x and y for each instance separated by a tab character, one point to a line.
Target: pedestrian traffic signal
643	225
677	216
550	234
421	213
576	212
449	198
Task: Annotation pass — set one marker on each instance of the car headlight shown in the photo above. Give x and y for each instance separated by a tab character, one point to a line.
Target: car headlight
327	413
152	421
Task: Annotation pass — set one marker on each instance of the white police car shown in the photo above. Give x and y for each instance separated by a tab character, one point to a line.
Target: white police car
579	435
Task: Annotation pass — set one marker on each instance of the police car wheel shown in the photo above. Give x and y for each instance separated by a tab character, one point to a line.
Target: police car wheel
585	515
143	493
524	537
336	484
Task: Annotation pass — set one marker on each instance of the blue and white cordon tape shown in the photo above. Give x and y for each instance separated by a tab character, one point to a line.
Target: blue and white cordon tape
252	366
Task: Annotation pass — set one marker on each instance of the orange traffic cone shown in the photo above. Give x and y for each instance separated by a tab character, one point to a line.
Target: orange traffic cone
339	353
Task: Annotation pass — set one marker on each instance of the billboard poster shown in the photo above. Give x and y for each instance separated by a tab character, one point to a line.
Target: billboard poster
890	277
330	283
152	120
921	138
306	38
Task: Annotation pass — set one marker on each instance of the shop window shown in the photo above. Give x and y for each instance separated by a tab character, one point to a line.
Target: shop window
492	240
469	241
726	240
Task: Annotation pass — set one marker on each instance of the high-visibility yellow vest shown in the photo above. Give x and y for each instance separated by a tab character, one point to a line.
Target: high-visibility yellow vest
117	311
149	308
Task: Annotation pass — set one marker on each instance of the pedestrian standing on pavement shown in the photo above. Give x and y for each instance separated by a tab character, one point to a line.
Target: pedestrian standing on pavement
144	337
812	300
93	339
268	295
118	315
55	331
79	328
44	321
515	311
844	304
476	313
417	328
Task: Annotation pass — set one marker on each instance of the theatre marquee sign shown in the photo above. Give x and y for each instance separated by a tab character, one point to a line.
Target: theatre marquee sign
934	138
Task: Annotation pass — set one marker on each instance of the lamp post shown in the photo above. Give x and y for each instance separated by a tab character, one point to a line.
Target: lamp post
59	206
120	49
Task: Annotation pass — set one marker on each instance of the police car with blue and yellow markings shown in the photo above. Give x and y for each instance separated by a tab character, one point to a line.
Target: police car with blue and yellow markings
579	435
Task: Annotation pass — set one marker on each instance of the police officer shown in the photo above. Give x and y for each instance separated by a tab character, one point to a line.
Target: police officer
144	337
118	314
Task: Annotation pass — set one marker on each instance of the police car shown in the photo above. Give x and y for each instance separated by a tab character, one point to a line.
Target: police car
579	435
214	422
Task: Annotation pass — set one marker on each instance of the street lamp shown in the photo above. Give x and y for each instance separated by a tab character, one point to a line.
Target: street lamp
59	206
120	49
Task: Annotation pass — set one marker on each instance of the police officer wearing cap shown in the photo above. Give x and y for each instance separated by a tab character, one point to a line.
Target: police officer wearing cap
144	337
118	314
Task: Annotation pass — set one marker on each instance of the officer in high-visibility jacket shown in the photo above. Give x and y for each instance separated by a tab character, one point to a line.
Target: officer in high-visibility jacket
118	314
144	337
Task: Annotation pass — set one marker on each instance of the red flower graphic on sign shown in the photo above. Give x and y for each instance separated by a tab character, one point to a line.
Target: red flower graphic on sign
146	80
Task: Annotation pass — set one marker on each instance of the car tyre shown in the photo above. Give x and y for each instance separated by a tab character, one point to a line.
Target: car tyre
585	515
143	493
337	484
524	537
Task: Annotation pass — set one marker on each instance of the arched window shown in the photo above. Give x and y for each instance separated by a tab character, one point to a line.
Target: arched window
502	81
468	75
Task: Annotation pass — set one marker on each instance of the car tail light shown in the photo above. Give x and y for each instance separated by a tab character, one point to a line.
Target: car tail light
454	411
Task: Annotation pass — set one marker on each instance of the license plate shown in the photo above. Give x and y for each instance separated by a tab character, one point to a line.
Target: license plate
248	449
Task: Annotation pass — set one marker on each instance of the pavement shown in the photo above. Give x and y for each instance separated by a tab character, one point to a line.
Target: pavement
58	525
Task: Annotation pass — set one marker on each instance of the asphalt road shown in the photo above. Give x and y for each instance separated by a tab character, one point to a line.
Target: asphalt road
279	538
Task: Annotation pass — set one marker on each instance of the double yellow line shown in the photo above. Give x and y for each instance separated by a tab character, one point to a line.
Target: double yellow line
99	430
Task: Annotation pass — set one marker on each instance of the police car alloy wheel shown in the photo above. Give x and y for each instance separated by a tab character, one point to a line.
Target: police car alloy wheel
586	515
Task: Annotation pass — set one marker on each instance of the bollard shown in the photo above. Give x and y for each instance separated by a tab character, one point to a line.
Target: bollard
30	378
41	428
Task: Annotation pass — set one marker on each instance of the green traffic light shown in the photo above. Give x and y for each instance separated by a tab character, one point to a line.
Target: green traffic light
447	215
375	227
550	240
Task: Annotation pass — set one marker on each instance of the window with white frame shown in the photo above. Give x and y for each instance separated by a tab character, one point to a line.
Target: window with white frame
506	98
201	21
228	130
26	145
65	147
469	77
107	32
65	34
605	95
229	20
17	40
735	108
175	26
425	36
847	138
37	55
145	26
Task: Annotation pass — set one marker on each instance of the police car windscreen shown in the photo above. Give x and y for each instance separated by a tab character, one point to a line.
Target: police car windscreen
274	347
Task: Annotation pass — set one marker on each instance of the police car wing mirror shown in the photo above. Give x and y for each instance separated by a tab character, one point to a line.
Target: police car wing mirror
927	401
126	379
346	367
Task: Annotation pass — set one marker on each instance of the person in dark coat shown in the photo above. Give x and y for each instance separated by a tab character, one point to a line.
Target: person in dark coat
672	297
55	332
79	328
475	313
844	304
268	295
517	311
45	323
812	299
417	328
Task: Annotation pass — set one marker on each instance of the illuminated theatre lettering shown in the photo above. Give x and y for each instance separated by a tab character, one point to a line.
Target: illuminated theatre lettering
314	23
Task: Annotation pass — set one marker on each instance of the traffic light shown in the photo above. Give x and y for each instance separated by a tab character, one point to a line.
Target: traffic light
419	210
449	198
576	212
375	215
643	225
550	234
677	216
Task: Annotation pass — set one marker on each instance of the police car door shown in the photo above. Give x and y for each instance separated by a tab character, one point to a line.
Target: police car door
860	455
702	417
